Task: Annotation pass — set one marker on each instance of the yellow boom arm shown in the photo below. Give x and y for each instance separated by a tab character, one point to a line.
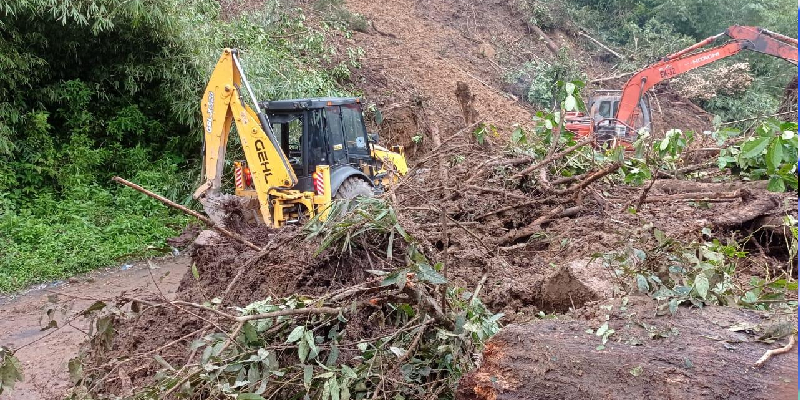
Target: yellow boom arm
221	105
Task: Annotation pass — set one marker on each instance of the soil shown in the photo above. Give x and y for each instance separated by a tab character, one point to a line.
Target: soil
698	354
417	54
46	353
435	66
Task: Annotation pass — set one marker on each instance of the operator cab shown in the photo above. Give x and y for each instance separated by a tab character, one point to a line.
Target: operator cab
605	104
320	131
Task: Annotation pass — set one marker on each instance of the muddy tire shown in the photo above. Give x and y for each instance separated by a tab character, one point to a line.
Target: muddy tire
353	187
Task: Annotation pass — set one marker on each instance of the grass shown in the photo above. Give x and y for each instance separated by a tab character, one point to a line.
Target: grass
91	227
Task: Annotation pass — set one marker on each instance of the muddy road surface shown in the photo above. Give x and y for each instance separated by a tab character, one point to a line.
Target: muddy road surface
44	354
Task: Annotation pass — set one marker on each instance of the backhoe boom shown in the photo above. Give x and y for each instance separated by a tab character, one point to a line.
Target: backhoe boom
222	105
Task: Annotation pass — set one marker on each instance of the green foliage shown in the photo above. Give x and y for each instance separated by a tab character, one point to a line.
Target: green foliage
758	99
89	90
545	15
542	78
338	16
697	273
10	370
365	217
769	154
347	353
54	237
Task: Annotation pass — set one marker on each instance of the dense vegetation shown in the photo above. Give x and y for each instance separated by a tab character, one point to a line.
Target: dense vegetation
92	89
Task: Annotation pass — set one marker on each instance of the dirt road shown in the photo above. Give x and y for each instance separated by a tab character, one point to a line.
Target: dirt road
45	354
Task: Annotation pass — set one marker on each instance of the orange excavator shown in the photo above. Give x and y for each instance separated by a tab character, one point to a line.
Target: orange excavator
619	115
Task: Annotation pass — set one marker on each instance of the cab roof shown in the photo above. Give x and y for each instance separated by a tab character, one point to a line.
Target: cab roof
309	103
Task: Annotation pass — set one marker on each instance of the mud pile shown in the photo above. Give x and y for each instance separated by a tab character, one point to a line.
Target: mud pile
704	353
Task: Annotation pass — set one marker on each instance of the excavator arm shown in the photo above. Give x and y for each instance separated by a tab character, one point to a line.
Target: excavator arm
743	38
222	106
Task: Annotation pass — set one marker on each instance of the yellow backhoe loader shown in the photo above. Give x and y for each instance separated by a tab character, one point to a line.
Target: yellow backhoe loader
300	154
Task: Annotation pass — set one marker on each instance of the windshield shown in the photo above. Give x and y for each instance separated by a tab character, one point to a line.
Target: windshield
346	131
353	126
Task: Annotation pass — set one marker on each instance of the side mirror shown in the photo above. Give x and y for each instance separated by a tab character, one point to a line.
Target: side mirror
373	137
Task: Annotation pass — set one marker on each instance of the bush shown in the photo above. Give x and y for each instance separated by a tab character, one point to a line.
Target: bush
541	78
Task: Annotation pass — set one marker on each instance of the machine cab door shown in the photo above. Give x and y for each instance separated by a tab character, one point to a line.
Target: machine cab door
346	134
335	135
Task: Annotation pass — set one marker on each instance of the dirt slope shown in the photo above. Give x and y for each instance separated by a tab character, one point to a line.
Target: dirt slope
44	362
421	50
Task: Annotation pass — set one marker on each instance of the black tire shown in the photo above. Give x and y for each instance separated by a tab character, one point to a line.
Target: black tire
353	187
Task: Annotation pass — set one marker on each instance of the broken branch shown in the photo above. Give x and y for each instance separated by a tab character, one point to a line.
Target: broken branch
770	353
554	157
193	213
702	196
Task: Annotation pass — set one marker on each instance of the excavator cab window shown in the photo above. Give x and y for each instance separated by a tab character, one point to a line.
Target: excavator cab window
604	109
347	134
333	123
354	131
288	129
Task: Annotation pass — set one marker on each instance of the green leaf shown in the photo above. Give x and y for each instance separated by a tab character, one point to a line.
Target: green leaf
518	136
397	351
664	144
75	367
326	390
296	334
641	283
774	154
750	297
602	329
308	374
570	88
345	392
673	306
701	285
195	273
776	184
755	147
348	372
253	375
334	388
333	355
570	103
249	332
96	306
312	347
302	350
163	362
428	274
393	278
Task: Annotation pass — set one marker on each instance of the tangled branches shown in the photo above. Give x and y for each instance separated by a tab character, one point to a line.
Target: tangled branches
385	336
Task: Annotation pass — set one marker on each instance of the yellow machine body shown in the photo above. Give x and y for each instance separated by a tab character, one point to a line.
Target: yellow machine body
267	174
